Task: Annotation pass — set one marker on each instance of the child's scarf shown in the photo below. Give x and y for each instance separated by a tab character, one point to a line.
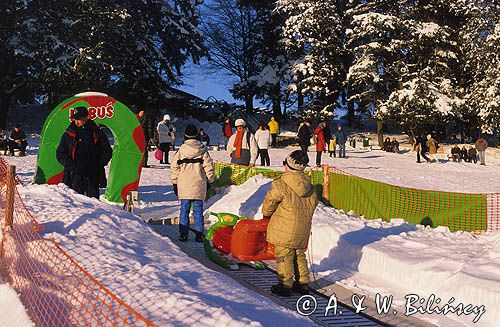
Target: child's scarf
238	144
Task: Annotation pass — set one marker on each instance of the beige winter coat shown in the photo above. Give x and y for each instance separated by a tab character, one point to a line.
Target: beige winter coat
481	144
290	203
192	177
431	144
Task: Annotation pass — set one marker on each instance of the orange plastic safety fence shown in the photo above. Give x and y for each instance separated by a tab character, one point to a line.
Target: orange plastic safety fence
54	288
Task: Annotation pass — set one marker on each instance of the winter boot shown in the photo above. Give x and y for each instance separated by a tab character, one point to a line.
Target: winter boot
199	238
282	290
183	237
302	289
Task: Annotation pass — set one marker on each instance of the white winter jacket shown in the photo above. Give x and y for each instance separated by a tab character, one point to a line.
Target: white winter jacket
249	149
263	138
191	169
165	132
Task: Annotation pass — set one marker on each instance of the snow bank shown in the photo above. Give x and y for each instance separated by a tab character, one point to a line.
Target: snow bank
12	311
398	258
147	271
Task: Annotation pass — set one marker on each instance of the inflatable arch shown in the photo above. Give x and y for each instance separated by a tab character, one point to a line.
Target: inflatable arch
128	149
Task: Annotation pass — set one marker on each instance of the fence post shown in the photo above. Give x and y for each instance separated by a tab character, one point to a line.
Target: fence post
9	196
326	184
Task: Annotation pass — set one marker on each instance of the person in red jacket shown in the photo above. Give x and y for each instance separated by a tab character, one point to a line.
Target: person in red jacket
320	142
227	131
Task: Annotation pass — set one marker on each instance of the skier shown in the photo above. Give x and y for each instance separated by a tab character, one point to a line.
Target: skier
83	150
165	137
341	140
304	135
421	149
191	173
242	146
481	145
263	139
320	143
290	204
274	128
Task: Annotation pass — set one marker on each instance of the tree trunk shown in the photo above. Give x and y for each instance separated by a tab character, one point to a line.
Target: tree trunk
277	109
4	109
380	135
300	101
350	113
249	104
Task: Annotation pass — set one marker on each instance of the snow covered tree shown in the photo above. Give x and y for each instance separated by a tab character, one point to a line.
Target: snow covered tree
138	48
313	36
480	43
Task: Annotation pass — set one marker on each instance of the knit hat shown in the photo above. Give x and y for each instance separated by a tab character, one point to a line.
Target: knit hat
191	132
239	122
80	112
297	160
429	136
166	117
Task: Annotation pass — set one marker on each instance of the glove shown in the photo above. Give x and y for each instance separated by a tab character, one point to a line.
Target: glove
175	190
266	217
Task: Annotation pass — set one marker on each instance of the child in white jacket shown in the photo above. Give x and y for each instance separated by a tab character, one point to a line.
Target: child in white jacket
191	171
263	138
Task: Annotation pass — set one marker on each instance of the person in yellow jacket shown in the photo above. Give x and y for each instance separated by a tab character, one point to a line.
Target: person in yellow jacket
290	204
274	128
332	145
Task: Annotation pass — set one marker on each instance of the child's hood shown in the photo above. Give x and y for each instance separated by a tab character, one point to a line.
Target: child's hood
192	149
298	182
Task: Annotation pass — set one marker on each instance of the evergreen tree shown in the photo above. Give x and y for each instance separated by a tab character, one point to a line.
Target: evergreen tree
313	36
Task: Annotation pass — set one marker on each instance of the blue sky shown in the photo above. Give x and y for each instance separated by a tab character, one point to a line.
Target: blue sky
198	83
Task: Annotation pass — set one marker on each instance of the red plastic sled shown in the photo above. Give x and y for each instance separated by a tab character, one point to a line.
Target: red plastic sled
246	242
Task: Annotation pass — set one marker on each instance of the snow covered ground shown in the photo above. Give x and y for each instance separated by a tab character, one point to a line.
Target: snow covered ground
12	312
160	281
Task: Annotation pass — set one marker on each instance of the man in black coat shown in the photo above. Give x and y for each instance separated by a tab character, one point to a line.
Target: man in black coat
83	150
148	128
304	135
17	140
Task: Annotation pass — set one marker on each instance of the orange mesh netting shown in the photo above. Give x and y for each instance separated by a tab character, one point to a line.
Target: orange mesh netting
53	287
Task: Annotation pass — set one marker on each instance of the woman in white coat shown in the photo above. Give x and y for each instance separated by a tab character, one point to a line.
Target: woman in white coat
263	138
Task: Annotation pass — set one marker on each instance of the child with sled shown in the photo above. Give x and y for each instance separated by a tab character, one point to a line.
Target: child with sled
191	171
290	204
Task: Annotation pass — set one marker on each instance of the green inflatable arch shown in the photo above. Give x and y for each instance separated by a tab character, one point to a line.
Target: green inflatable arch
128	149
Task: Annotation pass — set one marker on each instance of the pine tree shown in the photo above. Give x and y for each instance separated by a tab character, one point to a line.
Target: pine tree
313	34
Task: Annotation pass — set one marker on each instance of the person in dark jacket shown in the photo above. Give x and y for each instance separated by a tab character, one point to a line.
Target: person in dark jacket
304	135
148	128
463	154
387	144
472	154
203	137
455	153
421	149
395	145
341	140
83	149
17	140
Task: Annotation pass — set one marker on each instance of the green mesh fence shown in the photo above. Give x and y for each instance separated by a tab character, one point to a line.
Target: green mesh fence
374	200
